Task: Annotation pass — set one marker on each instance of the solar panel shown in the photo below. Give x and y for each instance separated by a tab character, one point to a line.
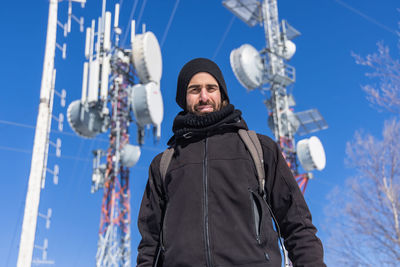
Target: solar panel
291	32
310	121
248	11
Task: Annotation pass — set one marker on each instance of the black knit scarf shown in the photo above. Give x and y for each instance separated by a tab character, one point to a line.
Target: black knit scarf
186	123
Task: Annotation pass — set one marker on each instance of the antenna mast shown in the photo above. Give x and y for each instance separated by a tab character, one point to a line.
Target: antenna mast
111	97
41	142
40	146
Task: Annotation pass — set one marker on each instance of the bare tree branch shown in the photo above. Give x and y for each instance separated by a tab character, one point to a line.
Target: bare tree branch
366	231
386	94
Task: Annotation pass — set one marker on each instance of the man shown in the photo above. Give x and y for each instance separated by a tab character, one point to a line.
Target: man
208	210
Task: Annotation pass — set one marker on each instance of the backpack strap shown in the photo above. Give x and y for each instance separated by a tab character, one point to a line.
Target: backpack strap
253	144
165	161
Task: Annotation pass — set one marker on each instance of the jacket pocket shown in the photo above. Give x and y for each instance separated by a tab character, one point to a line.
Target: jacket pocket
263	224
257	215
164	230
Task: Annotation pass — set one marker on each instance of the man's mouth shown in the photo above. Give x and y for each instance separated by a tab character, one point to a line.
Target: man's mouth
203	108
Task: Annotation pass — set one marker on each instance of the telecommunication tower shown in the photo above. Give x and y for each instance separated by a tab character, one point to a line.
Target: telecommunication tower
42	140
268	71
112	98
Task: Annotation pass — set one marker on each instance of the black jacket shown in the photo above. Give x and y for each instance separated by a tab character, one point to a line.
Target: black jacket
207	202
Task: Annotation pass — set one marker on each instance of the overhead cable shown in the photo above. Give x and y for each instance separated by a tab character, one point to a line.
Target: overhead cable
224	37
377	23
169	23
141	14
69	134
129	21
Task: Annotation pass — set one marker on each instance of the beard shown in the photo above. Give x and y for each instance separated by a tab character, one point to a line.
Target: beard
208	103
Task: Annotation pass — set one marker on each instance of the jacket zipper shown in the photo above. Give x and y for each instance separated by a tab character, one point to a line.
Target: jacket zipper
205	191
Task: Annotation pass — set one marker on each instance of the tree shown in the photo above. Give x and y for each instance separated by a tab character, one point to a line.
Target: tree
365	216
386	94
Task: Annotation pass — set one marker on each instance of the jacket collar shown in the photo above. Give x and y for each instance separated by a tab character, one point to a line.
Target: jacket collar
187	125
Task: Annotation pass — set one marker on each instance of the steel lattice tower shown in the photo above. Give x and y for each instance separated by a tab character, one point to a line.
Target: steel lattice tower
114	246
268	71
282	129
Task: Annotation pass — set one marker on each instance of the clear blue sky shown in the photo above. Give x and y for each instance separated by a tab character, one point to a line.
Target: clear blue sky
327	79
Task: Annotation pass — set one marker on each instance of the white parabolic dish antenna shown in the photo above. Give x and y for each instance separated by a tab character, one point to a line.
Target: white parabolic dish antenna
147	104
290	49
86	123
247	65
130	154
311	154
146	56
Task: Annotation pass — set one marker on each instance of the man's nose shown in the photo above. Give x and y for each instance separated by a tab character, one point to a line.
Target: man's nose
204	95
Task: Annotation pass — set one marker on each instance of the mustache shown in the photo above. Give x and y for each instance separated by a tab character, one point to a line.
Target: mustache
204	104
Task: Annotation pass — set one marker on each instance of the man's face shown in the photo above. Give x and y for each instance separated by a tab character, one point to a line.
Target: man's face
203	95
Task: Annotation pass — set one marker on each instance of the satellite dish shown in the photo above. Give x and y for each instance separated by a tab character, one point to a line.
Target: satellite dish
248	66
146	57
147	104
86	123
290	49
311	154
130	155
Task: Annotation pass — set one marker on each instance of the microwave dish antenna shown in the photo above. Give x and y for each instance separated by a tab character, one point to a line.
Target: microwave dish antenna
311	154
248	67
130	155
147	104
146	57
86	122
289	50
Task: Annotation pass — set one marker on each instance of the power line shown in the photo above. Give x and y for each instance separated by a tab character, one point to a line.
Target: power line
169	23
63	133
33	127
224	36
19	215
141	13
129	21
372	20
30	152
17	124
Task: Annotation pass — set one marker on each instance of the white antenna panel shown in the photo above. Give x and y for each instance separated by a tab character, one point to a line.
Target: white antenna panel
132	32
116	16
84	82
130	155
248	66
107	32
146	56
311	154
290	49
93	92
105	72
147	104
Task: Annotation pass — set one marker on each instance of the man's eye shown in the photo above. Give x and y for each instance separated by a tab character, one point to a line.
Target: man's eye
194	90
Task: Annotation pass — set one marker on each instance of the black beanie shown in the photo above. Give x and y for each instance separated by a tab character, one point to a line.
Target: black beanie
190	69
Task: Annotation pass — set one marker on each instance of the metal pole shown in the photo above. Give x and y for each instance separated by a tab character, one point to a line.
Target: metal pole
40	145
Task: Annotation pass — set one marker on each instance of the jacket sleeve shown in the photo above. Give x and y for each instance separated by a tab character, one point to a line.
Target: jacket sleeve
150	216
291	210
